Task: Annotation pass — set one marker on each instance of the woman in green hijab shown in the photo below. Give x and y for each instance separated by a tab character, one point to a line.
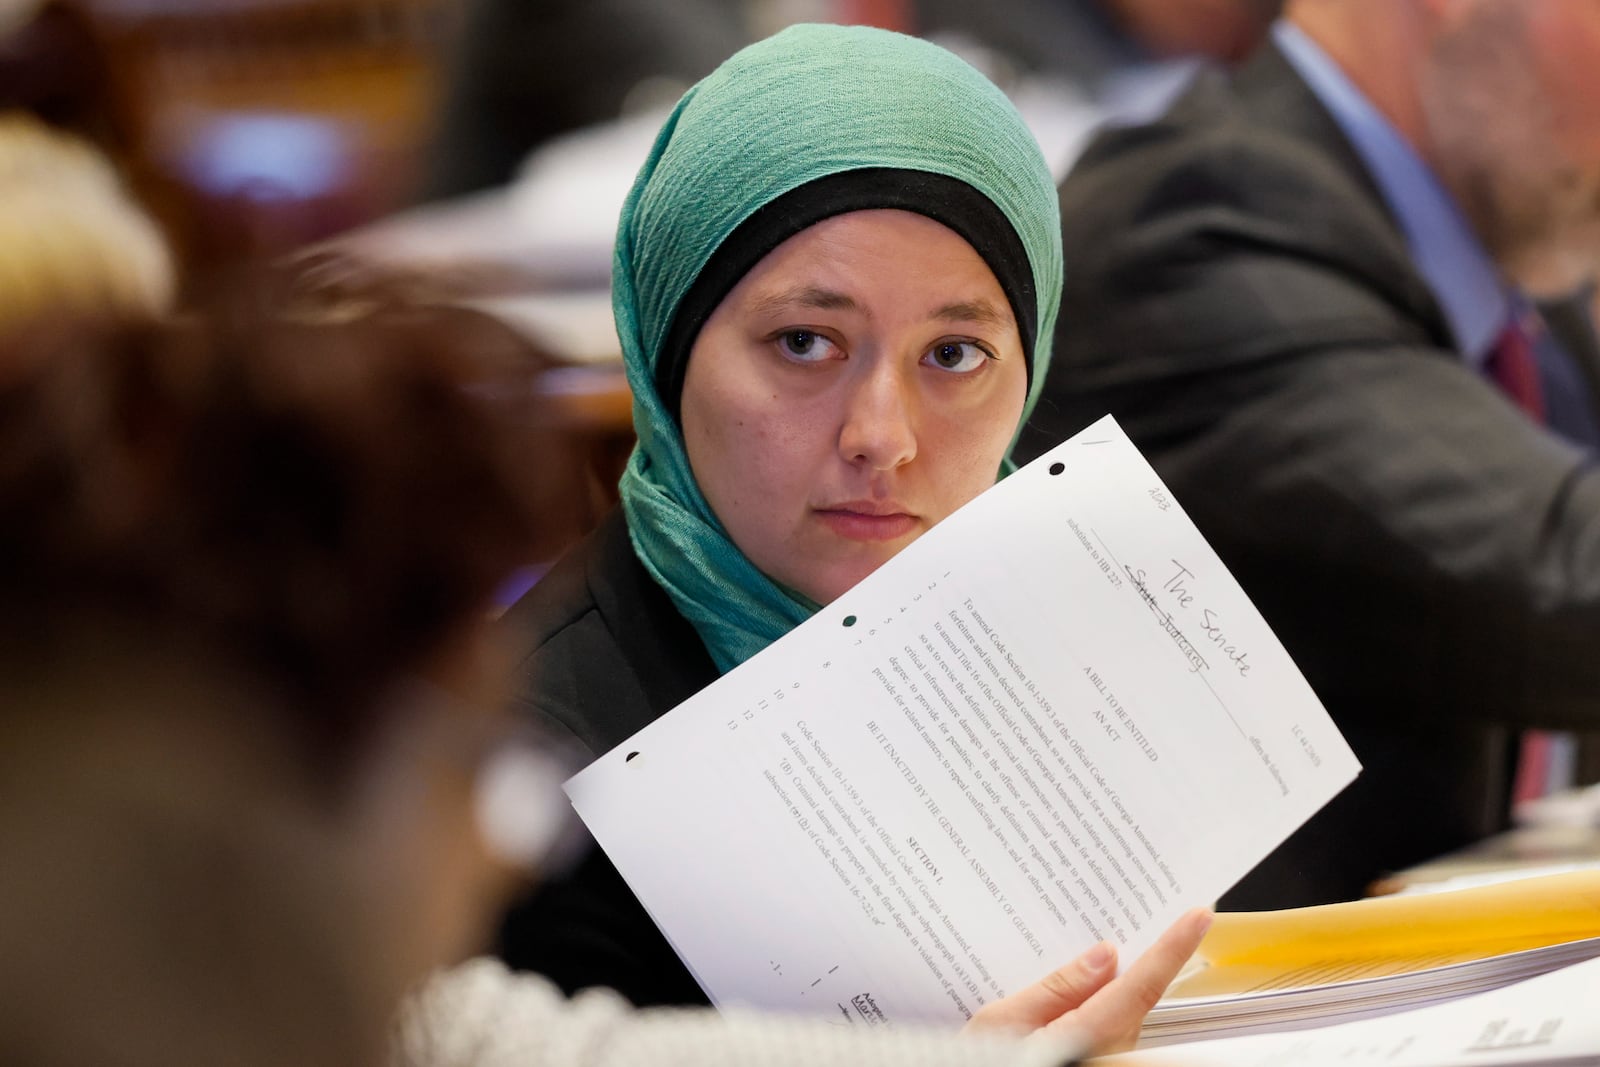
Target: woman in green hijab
835	283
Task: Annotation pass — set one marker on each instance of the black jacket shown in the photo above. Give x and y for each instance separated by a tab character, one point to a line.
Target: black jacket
603	653
1239	297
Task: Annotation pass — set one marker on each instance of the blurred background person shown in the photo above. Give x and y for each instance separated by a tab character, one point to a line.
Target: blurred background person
524	72
1072	66
1227	30
1306	293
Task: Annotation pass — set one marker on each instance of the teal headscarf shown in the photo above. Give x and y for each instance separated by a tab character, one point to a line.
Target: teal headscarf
808	103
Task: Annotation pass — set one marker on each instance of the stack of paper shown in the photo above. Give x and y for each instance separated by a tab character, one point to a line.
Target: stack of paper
1310	966
1541	1022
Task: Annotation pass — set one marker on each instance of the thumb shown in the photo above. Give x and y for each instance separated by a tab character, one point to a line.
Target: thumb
1111	1016
1056	993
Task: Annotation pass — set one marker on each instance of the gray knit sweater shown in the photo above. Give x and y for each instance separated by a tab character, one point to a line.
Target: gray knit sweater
481	1015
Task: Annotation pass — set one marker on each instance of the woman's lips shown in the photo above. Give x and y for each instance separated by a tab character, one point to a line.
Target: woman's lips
863	525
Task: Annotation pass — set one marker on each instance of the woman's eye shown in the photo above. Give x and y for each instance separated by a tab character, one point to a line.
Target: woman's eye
805	346
960	357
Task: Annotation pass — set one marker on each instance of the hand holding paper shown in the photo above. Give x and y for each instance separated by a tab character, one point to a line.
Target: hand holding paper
1084	1002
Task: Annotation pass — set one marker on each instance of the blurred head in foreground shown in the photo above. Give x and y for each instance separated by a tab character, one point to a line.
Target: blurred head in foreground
244	680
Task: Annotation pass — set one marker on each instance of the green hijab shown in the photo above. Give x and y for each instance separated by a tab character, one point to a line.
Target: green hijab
805	105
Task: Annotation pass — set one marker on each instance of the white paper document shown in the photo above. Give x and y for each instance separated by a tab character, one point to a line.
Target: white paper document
1054	718
1545	1020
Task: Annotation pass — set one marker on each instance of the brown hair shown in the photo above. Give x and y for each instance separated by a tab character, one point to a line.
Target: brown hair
323	505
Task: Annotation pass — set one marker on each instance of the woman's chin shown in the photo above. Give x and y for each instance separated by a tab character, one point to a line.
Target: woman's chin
824	587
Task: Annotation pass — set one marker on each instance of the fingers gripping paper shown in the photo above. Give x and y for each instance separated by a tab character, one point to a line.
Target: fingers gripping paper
1053	719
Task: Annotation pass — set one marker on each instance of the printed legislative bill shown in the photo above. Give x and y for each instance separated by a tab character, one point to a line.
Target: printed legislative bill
1054	718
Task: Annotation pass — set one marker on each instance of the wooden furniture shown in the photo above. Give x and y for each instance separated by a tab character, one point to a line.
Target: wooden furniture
260	125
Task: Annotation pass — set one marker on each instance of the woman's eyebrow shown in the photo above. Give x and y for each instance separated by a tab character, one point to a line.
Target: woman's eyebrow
976	311
804	296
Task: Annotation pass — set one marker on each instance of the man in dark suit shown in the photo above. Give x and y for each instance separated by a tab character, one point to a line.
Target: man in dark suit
1304	294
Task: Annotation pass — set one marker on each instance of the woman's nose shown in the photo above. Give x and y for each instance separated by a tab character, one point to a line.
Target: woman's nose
879	425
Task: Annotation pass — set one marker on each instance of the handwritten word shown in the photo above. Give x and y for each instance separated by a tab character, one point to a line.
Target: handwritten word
1211	622
1197	662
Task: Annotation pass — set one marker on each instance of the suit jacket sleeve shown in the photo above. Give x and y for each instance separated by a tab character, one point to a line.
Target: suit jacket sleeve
1246	309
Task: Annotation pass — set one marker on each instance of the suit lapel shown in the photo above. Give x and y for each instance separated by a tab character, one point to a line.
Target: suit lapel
1277	100
1275	95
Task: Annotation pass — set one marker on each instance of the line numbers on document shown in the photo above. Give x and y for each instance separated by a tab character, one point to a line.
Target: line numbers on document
763	703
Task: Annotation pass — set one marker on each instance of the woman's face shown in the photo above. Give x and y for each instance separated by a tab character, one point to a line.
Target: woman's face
861	383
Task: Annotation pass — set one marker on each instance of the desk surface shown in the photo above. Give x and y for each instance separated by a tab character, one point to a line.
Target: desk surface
1523	849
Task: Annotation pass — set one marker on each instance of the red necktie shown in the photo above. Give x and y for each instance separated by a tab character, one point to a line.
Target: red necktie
1513	367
